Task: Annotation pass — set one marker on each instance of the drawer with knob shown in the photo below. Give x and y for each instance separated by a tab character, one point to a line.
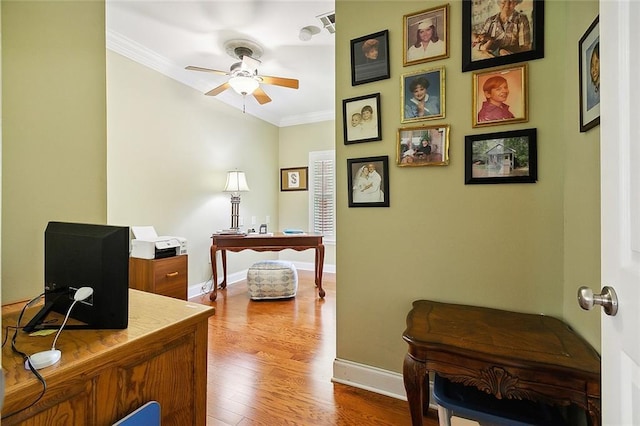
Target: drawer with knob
166	276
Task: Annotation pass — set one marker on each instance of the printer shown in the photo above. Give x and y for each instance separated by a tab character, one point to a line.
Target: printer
148	245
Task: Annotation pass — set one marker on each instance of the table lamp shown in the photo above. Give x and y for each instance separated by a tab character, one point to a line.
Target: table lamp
236	183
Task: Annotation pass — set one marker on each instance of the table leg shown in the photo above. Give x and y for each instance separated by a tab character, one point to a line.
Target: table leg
223	254
414	373
594	413
319	266
214	269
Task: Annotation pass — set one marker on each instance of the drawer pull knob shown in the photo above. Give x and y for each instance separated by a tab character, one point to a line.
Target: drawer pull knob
172	274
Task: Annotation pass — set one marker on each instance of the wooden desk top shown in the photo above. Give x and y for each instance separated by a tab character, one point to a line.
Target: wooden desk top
148	314
277	239
507	354
511	336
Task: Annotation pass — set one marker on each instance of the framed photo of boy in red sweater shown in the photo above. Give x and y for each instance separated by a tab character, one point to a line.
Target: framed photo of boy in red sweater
500	96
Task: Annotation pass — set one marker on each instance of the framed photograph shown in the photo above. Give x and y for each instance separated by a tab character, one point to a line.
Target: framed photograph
423	146
507	157
368	181
500	96
361	119
486	43
294	179
370	58
589	49
426	35
422	95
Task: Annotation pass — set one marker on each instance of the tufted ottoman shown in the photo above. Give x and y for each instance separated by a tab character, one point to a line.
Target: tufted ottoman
272	279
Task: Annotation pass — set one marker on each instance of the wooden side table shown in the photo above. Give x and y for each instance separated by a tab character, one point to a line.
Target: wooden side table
166	276
508	354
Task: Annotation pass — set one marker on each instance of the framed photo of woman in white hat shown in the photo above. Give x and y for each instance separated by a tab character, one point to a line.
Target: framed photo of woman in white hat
426	35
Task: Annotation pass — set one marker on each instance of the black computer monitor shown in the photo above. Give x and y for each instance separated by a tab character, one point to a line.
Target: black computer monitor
85	255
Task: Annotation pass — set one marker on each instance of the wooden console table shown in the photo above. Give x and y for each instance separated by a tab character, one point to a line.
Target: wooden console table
258	242
510	355
106	374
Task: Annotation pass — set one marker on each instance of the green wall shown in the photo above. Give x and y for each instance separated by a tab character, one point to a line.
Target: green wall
501	246
54	129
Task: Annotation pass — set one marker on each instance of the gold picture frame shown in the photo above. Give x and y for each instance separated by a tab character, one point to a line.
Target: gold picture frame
436	22
423	146
500	96
294	179
422	95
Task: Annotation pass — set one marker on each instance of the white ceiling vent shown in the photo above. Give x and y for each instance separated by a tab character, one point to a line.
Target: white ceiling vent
328	21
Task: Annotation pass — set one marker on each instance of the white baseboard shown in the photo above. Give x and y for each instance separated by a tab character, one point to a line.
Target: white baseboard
372	379
196	289
369	378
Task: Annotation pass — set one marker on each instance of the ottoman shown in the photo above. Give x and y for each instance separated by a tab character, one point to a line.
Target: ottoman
272	279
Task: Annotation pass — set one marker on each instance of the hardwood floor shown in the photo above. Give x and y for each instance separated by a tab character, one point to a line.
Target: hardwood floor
271	362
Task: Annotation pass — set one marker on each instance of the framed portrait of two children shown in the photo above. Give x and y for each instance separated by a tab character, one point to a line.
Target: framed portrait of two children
361	119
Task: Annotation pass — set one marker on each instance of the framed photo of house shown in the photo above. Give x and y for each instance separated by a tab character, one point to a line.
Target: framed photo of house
361	119
370	58
500	96
485	42
426	35
423	146
589	63
506	157
294	179
368	179
422	95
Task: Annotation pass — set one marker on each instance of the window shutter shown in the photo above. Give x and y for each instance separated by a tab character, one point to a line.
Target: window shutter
322	198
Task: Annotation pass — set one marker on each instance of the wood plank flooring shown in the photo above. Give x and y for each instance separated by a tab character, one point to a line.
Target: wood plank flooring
271	362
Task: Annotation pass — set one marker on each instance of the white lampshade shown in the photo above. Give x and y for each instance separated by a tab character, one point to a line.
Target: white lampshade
236	182
243	85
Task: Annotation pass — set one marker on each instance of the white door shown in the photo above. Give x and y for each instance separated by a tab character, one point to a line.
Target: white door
620	207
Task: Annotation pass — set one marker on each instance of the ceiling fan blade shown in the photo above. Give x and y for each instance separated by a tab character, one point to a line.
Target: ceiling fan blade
192	68
291	83
218	90
261	96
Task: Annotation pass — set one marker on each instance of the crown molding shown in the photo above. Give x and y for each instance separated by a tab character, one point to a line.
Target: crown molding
136	52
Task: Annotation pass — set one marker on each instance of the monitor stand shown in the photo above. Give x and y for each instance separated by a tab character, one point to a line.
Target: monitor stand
36	322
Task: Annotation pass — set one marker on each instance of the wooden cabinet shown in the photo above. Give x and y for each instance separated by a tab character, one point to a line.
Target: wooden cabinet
104	375
166	276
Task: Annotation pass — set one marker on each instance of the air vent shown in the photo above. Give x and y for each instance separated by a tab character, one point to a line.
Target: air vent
328	21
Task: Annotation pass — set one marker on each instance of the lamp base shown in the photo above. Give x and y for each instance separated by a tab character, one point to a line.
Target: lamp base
235	212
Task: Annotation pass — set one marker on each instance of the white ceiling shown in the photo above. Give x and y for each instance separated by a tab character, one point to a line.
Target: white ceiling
169	35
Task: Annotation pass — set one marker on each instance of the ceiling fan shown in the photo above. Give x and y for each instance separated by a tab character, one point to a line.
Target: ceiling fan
245	79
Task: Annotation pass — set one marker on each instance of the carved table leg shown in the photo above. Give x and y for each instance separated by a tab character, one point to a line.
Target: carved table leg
223	254
319	267
414	373
594	413
214	270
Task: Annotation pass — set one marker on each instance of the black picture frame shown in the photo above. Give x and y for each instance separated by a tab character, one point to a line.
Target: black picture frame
501	157
589	59
366	68
363	193
364	130
476	52
294	179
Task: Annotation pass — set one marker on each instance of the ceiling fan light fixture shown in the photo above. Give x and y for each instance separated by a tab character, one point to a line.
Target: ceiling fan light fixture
243	85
